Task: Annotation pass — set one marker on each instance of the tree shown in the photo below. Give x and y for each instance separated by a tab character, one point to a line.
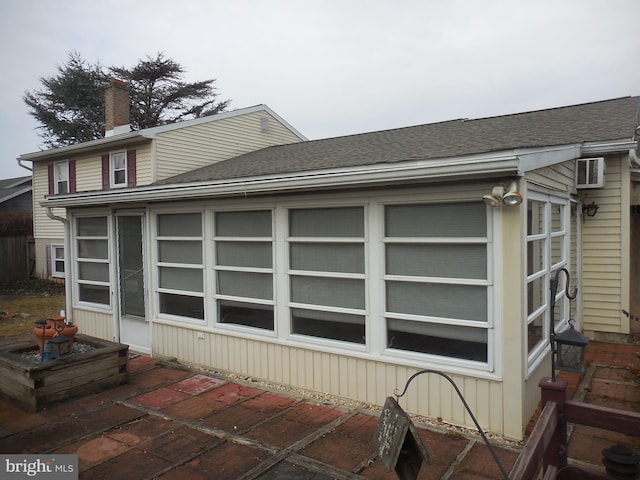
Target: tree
70	107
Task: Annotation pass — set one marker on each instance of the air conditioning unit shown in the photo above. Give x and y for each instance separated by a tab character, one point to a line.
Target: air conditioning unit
590	172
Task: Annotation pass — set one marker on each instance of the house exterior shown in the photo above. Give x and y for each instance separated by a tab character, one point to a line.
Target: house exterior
345	265
15	195
124	159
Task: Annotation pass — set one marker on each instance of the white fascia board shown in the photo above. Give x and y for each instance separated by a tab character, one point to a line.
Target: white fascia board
603	148
470	167
534	158
71	149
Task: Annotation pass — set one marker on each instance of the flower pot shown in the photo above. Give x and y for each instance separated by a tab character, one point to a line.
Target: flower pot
54	326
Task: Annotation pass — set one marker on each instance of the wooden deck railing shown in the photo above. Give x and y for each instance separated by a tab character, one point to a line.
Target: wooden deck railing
546	447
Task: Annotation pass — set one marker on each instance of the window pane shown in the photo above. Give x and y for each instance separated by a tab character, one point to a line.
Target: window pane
557	249
62	171
187	279
119	177
244	254
180	225
58	252
97	272
243	224
59	266
335	326
556	218
62	187
246	284
436	339
94	293
182	305
535	332
535	256
93	249
118	161
327	222
250	315
536	291
327	257
535	220
92	227
337	292
467	302
449	261
437	220
180	251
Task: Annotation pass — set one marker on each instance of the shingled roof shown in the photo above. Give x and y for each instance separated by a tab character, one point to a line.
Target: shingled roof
606	120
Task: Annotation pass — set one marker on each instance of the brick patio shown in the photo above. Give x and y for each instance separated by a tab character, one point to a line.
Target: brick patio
173	423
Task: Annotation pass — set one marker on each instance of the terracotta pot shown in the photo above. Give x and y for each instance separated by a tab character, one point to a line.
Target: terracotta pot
55	326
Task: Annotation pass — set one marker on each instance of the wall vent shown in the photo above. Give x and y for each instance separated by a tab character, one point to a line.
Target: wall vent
590	172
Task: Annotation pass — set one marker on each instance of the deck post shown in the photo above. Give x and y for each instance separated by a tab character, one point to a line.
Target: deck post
556	391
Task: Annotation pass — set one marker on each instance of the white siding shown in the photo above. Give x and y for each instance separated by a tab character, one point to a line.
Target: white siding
95	324
340	375
184	149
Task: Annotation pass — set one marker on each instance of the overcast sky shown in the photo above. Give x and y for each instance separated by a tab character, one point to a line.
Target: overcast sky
335	67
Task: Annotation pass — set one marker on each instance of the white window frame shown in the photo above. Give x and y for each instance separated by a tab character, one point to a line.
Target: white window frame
55	259
113	156
227	268
158	264
79	261
61	177
548	269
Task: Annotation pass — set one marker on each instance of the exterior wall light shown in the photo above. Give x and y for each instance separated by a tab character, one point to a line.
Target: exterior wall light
590	209
500	195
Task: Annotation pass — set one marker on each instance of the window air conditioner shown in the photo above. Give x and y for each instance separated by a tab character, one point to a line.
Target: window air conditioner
590	172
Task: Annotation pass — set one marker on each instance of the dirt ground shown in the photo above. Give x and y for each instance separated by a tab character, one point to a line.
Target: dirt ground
22	304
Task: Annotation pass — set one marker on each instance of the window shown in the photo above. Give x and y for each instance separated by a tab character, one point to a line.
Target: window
548	244
327	273
244	268
57	260
118	169
92	253
437	279
61	177
180	265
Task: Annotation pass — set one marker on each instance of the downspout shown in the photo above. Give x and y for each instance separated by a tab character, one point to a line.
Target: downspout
67	281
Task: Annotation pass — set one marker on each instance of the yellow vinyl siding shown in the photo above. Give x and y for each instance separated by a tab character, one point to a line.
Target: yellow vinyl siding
602	254
95	324
558	177
363	380
184	149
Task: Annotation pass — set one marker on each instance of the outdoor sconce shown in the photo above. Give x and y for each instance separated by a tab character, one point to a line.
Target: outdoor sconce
570	346
591	209
507	196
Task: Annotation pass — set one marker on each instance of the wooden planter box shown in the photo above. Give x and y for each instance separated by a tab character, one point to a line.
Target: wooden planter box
37	385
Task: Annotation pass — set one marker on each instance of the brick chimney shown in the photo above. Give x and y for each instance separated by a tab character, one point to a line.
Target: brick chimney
116	108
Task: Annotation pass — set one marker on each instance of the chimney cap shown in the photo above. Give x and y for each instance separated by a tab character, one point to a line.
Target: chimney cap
116	82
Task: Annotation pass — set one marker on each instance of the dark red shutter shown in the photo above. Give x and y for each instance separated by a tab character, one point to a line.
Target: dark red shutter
72	176
50	173
105	172
131	168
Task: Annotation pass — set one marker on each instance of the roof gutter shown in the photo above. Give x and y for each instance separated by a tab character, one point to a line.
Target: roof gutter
390	173
67	262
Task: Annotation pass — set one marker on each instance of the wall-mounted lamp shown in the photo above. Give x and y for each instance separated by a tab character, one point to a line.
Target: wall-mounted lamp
590	209
500	195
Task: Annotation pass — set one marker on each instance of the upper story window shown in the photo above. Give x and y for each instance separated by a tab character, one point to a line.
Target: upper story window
118	169
61	177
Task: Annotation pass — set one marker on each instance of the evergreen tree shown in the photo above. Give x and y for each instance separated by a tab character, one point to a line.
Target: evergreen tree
70	106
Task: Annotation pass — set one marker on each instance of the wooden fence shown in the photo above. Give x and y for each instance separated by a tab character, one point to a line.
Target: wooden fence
545	452
17	258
